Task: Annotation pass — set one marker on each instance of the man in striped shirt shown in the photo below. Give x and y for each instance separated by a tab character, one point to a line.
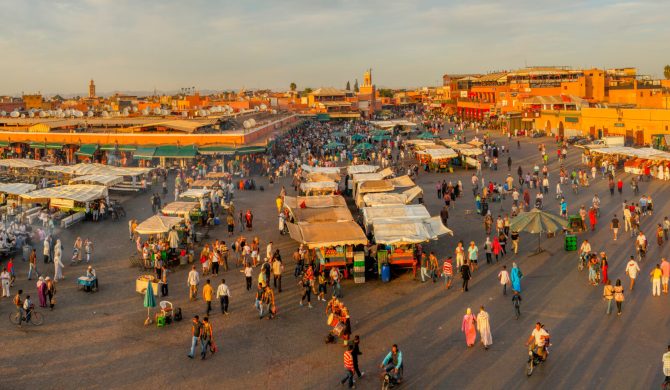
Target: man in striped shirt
349	367
447	272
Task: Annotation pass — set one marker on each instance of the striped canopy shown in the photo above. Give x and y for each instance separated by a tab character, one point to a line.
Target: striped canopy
538	221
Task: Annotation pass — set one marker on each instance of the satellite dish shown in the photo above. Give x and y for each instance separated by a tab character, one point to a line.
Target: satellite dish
256	108
145	111
59	111
252	122
184	114
165	112
31	114
3	113
90	114
23	116
274	112
135	108
157	111
246	124
105	114
202	113
42	114
264	107
79	114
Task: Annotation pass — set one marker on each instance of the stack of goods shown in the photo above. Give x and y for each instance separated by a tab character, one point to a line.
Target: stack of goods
359	267
570	242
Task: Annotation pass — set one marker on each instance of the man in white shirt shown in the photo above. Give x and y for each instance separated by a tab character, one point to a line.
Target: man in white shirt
193	281
626	219
585	249
666	364
538	339
503	276
641	244
632	268
222	294
268	250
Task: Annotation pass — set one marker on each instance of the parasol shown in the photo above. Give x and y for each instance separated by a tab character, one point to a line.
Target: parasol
537	222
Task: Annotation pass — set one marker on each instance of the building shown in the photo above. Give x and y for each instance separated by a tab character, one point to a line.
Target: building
91	90
33	101
367	96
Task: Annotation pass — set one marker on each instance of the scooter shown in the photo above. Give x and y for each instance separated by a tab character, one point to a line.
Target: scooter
534	359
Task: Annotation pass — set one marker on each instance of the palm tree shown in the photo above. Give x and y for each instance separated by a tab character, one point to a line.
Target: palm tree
293	87
666	72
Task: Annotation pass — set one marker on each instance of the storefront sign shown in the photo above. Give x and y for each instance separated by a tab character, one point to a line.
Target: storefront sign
571	119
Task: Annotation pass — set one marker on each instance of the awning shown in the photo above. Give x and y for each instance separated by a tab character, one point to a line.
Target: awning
385	198
250	150
172	151
327	170
318	186
120	148
409	232
179	208
352	169
396	213
332	214
4	144
144	153
319	201
16	188
76	192
216	149
195	193
203	183
87	150
157	224
22	163
105	180
321	234
402	182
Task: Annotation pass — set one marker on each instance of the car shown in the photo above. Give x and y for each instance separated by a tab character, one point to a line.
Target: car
574	139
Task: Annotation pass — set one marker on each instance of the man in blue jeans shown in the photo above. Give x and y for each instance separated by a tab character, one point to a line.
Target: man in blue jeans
196	330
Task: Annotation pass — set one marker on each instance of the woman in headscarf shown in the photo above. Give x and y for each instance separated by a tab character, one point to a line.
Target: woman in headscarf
468	327
484	328
58	264
42	291
516	276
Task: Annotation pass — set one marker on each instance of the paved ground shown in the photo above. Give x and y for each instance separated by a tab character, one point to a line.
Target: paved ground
98	340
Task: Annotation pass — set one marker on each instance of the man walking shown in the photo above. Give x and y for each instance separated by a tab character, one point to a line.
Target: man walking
656	275
484	328
632	268
614	226
349	367
424	268
277	268
205	338
196	329
32	265
223	294
608	295
447	273
665	269
503	277
193	281
207	294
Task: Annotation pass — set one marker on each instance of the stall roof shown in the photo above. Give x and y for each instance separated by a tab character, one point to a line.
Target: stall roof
179	208
409	232
644	153
174	151
386	172
326	234
419	142
385	198
360	177
332	214
157	224
355	169
375	186
22	163
75	192
318	186
16	188
314	202
204	183
402	182
195	193
217	175
310	169
316	176
395	213
439	154
97	169
105	180
87	150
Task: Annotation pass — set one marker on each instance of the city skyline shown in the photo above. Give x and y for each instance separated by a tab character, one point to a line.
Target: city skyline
56	47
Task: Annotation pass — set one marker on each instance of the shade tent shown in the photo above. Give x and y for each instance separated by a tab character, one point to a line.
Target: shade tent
318	186
75	192
309	169
97	169
400	213
439	154
105	180
402	182
316	176
179	208
419	142
357	137
537	222
394	233
332	214
361	177
363	146
327	234
317	201
203	183
467	150
386	172
375	186
195	193
354	169
157	224
22	163
449	142
384	198
217	175
16	188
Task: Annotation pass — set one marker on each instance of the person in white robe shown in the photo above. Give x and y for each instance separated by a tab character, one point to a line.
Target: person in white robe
484	328
58	264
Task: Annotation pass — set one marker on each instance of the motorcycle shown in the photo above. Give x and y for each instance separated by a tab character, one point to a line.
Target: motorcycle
534	359
389	381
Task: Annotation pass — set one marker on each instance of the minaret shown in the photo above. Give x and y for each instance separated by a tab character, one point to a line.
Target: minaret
91	89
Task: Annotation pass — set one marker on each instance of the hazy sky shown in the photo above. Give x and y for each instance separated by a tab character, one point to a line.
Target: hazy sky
57	46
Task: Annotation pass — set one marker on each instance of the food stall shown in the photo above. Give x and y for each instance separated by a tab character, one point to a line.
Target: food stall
468	154
204	183
181	209
318	188
12	191
400	237
399	213
104	180
436	159
386	198
157	225
331	242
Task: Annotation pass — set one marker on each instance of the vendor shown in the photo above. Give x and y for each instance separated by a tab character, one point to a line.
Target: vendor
92	276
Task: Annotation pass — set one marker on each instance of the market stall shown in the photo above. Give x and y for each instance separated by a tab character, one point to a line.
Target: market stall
331	242
436	159
318	188
317	201
195	193
67	197
105	180
181	209
385	198
204	183
157	224
398	213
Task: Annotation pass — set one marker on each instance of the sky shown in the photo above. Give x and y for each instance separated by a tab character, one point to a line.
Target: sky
56	46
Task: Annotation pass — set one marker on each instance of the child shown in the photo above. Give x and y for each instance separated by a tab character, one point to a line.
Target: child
322	286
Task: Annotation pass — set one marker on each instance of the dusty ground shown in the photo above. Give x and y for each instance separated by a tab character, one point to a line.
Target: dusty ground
98	340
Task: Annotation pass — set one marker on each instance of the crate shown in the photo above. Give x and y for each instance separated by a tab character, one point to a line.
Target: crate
359	279
570	243
359	269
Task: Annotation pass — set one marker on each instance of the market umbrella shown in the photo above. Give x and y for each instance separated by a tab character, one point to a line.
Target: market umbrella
427	135
149	301
364	146
357	137
537	222
378	138
333	145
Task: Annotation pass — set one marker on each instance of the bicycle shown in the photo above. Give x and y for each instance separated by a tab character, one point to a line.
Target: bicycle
36	318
